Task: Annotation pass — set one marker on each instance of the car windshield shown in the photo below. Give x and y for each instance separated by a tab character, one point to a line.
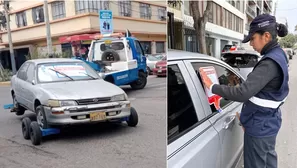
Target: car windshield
241	60
65	71
153	58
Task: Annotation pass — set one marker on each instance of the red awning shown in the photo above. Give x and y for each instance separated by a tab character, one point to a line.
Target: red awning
69	39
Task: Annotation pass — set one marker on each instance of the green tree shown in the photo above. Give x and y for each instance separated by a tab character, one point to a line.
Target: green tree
288	41
200	19
296	28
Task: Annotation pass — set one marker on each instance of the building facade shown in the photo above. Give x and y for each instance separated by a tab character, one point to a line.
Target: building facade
225	26
146	20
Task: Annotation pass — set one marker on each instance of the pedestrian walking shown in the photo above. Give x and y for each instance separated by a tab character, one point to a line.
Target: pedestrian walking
264	91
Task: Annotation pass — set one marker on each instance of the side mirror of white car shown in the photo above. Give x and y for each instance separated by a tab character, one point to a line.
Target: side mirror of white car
33	82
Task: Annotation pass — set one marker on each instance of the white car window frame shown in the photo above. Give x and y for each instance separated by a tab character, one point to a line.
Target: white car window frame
196	129
228	108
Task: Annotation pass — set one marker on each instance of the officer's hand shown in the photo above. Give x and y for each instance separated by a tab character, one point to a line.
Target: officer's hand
207	82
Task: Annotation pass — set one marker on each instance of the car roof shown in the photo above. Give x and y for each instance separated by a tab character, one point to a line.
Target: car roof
242	52
52	60
173	55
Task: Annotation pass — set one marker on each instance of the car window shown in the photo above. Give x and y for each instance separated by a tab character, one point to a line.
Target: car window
22	72
138	47
181	112
225	76
241	60
30	73
65	71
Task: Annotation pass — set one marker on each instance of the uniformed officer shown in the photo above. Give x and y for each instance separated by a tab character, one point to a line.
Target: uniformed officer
263	92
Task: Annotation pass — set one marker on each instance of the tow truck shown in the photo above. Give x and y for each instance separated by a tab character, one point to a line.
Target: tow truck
117	57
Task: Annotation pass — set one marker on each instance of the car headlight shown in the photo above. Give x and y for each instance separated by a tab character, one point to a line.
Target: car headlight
120	97
61	103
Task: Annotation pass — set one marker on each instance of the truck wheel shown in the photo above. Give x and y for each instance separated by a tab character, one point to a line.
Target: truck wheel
26	127
133	119
20	110
140	82
41	117
35	133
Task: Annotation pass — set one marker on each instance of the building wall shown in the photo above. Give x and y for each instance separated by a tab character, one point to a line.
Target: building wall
86	22
219	28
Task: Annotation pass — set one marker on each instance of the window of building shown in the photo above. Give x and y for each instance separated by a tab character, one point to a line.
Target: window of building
145	11
181	115
238	5
160	47
211	13
125	8
187	7
225	76
90	6
230	20
237	24
162	13
58	10
38	15
218	15
223	17
21	19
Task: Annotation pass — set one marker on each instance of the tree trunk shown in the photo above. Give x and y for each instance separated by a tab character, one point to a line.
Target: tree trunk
199	23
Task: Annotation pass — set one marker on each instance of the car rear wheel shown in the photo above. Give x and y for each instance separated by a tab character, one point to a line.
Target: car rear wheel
140	82
20	110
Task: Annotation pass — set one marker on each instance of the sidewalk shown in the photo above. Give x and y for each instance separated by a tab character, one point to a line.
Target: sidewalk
7	83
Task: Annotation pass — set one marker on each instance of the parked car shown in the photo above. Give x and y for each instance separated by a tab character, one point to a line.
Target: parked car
242	61
287	56
68	91
198	134
151	62
290	52
161	68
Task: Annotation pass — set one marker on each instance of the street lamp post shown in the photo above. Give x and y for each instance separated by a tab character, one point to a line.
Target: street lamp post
6	11
48	30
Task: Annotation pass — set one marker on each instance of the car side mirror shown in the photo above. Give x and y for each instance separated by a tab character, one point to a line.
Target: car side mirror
102	75
33	82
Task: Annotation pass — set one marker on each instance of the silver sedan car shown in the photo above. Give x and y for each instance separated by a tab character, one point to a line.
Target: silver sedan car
198	134
68	91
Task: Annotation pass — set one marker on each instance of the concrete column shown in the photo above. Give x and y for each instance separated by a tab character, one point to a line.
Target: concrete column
217	44
153	47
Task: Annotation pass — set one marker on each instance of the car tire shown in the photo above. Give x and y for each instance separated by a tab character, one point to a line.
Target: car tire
133	118
26	127
35	133
141	82
148	70
20	110
41	117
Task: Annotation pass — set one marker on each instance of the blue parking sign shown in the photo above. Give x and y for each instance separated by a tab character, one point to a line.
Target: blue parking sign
105	21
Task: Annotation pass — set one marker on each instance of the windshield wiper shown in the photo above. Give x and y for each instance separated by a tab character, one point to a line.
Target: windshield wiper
88	75
61	73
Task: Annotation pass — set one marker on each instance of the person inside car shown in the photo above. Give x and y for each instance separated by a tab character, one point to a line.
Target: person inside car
264	91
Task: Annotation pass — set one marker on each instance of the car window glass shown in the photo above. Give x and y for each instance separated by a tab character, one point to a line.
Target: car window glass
181	112
138	48
241	60
30	73
22	71
225	76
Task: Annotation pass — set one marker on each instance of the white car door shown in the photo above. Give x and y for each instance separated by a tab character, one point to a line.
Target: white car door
19	84
225	122
192	140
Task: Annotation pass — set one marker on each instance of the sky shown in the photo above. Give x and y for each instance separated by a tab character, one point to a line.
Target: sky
287	9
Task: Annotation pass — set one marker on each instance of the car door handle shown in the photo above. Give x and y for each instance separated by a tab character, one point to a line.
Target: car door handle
229	121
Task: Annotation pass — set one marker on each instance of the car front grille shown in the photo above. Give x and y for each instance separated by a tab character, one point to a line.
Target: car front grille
93	101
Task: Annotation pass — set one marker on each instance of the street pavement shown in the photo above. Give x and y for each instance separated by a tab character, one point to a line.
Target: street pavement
286	145
92	146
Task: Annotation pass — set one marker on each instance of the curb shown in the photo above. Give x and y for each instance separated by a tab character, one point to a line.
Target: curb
5	83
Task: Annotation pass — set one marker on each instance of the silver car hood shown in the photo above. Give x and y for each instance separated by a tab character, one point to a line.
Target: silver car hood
82	89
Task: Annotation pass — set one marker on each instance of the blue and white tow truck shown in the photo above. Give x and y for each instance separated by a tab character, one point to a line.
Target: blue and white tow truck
119	59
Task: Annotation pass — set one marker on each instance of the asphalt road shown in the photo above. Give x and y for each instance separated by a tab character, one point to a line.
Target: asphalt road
286	146
102	145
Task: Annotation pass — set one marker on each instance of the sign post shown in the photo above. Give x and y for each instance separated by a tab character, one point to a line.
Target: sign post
106	22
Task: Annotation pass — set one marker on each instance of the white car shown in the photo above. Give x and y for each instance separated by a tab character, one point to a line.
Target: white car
151	61
243	61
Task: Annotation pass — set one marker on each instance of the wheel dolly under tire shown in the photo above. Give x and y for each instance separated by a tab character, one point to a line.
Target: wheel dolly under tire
31	129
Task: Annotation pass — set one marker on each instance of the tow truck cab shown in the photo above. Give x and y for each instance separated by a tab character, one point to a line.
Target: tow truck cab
119	58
